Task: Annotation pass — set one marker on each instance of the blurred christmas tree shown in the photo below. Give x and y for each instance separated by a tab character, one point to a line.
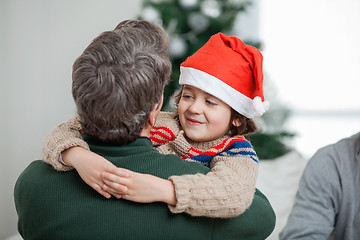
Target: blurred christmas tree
190	24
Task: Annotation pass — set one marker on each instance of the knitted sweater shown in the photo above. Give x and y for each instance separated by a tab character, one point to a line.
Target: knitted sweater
226	191
59	205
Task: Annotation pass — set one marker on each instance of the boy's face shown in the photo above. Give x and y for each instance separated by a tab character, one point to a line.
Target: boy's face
203	116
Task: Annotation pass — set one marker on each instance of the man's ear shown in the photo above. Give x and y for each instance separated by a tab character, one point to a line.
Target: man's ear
236	122
152	117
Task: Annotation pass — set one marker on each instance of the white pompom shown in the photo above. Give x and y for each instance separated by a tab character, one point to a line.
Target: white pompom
260	107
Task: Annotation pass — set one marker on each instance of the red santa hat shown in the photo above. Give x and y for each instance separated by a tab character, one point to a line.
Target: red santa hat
230	70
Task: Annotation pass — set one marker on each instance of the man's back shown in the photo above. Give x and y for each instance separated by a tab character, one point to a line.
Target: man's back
59	205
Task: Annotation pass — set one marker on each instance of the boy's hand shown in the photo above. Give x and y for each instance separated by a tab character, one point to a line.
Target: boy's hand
89	165
138	187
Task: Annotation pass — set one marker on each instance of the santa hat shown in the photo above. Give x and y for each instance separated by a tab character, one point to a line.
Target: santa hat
230	70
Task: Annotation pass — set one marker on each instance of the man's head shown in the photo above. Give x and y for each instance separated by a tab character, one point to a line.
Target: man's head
119	78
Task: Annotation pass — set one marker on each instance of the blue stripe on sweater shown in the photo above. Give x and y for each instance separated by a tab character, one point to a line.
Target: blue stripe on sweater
239	148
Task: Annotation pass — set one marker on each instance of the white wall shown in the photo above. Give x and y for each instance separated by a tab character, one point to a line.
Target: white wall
40	40
312	54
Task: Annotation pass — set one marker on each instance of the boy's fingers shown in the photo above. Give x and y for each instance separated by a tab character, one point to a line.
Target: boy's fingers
121	172
101	191
118	196
113	187
114	178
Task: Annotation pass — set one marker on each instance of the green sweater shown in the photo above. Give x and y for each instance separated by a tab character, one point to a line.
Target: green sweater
59	205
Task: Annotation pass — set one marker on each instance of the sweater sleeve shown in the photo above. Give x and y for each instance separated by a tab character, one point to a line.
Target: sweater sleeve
226	191
64	136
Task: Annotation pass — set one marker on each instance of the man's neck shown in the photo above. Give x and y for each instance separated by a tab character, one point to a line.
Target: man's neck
146	130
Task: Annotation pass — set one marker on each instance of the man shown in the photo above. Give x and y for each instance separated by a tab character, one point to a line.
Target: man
117	87
327	205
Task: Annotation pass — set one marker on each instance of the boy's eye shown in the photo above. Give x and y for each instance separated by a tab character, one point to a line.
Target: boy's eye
186	96
212	103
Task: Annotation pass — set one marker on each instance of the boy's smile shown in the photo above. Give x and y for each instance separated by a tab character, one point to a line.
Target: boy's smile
193	122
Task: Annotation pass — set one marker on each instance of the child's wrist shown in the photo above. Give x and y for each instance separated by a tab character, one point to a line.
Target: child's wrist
67	158
61	160
169	195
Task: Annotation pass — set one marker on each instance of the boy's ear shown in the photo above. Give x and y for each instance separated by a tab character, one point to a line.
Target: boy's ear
153	115
236	122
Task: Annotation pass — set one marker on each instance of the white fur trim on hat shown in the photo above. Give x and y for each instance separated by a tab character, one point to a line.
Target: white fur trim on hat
239	102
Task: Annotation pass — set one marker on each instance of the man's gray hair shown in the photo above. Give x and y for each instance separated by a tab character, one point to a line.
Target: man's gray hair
119	78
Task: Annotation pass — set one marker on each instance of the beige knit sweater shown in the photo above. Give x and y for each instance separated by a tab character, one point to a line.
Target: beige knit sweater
226	191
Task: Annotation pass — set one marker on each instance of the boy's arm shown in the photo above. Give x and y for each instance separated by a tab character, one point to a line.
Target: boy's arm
64	136
226	191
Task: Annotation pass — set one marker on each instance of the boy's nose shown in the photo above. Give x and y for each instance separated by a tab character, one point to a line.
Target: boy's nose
195	107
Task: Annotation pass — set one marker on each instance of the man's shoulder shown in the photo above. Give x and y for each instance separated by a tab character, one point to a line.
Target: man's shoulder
335	153
37	165
39	171
350	144
36	169
33	175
